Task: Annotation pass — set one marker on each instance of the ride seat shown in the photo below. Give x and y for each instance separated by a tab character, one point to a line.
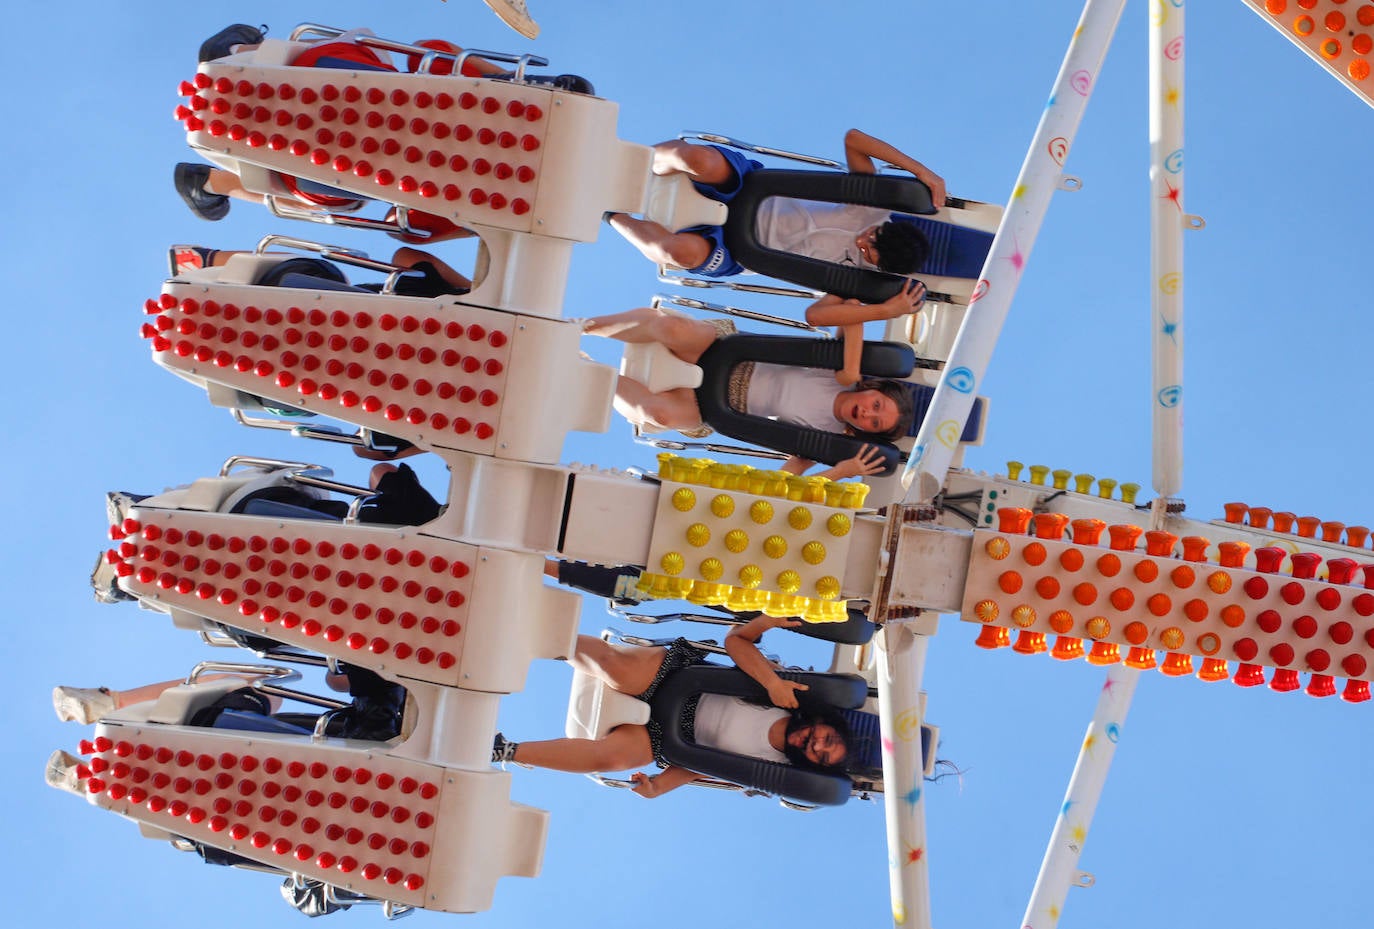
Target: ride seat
879	359
595	708
899	194
840	691
674	203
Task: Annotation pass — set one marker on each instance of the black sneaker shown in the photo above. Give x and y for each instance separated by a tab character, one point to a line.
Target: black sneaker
190	183
222	43
502	750
574	83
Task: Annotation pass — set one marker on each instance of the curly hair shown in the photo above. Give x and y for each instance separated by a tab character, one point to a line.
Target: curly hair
902	248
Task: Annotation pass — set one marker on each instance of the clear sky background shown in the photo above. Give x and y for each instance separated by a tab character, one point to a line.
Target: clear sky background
1226	807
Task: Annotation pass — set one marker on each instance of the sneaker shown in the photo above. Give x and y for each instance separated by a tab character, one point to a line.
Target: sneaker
82	704
515	14
183	258
502	749
222	43
61	772
189	180
574	83
105	581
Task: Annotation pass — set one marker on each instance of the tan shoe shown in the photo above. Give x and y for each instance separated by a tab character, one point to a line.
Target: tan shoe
82	704
514	14
61	772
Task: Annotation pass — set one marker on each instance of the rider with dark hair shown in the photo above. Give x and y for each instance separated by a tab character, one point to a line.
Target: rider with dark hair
835	232
778	733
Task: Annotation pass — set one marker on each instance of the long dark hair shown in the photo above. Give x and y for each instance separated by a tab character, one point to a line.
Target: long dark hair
900	396
826	716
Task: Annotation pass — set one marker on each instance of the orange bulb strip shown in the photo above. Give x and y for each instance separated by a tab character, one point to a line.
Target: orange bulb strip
1335	34
1311	527
470	150
357	593
402	366
1168	612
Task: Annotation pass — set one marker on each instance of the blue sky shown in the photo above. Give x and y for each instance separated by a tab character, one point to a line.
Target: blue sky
1226	807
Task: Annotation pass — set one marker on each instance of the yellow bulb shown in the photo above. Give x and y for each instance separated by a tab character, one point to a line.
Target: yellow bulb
775	546
838	524
684	498
672	563
828	588
750	576
799	518
711	569
736	540
813	553
723	505
761	511
698	534
789	582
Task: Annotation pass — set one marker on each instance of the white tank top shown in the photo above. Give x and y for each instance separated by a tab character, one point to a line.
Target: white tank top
734	725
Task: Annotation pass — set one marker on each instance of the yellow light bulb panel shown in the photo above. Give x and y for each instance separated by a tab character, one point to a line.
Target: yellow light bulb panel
1158	603
739	537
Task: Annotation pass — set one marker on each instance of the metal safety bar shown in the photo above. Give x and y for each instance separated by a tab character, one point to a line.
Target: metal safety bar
427	55
718	448
307	475
692	303
348	256
715	138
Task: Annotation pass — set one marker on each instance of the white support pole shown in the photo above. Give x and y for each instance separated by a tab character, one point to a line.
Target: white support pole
1167	221
1011	248
900	663
1059	869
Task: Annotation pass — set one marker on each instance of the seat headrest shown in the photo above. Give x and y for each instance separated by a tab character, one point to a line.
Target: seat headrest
880	359
899	194
839	691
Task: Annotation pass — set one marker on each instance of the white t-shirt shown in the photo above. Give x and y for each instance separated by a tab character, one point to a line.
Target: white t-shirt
816	229
733	725
801	396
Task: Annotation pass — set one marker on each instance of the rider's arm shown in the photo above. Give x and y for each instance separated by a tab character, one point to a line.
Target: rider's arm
741	644
670	778
862	150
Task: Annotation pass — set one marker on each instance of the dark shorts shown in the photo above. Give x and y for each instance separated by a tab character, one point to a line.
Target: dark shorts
727	191
720	263
681	654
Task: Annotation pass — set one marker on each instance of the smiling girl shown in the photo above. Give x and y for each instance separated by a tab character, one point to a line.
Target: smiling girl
810	397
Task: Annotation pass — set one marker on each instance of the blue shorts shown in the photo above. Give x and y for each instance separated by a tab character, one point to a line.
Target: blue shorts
720	263
724	193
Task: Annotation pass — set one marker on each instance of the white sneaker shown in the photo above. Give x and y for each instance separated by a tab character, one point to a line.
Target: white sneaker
61	772
82	704
515	14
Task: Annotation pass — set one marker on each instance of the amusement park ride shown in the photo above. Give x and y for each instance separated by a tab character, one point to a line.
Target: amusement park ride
491	381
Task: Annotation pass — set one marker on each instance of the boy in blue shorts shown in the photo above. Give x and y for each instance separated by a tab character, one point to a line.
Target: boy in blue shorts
840	233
